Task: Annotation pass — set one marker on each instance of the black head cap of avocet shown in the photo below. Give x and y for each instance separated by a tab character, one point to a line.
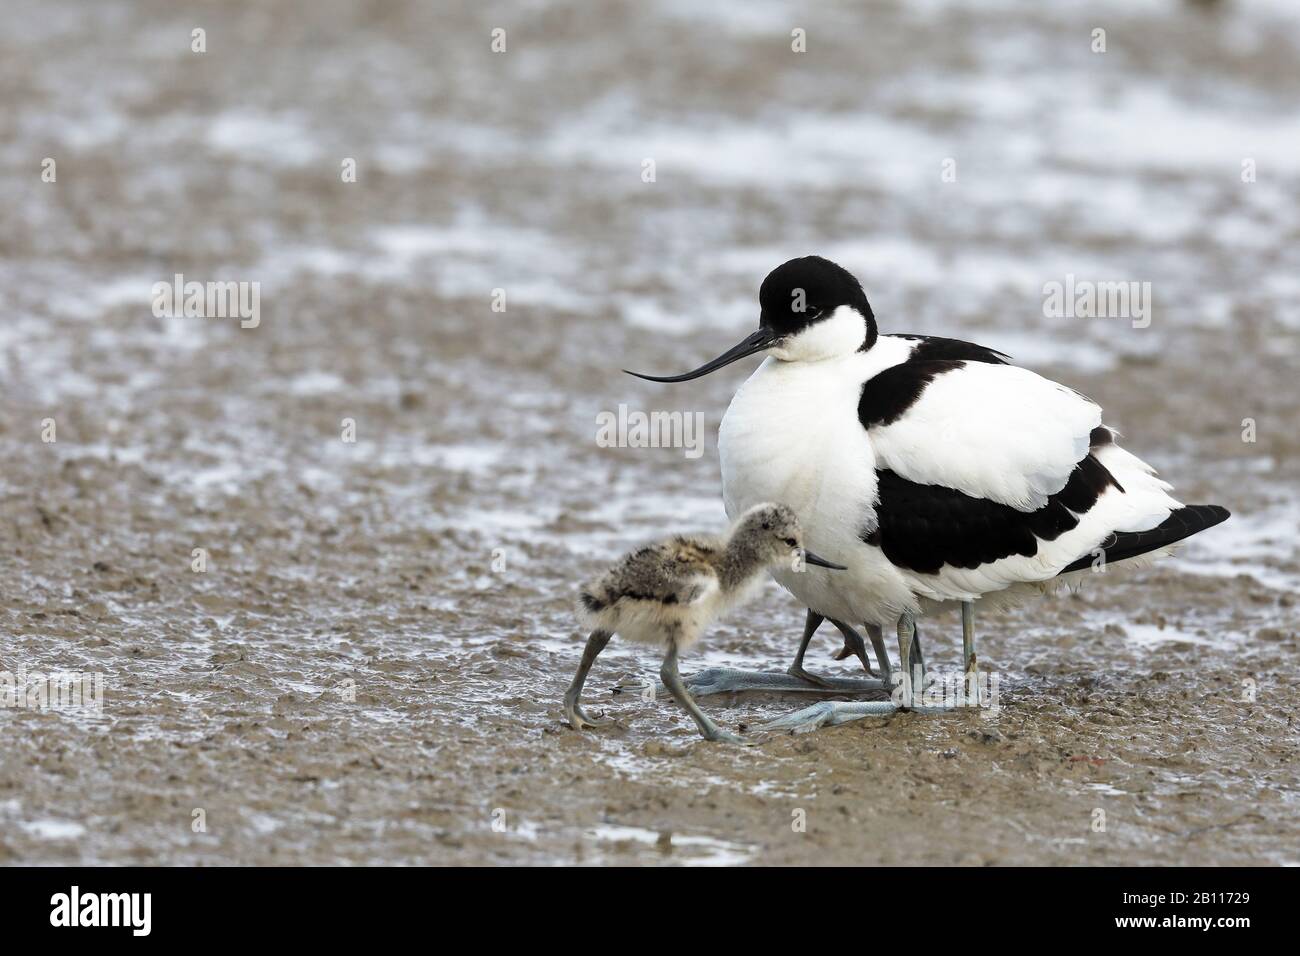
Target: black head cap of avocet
811	309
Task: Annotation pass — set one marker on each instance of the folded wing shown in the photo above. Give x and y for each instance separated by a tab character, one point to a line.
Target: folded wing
994	432
992	476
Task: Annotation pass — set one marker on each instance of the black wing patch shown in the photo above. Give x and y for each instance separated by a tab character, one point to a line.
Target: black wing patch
924	527
930	348
885	397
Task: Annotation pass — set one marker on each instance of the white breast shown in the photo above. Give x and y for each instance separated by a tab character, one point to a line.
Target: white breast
792	435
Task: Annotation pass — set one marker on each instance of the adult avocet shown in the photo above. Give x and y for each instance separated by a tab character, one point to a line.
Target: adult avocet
938	482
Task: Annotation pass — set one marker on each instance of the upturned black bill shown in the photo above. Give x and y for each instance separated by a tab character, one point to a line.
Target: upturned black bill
760	340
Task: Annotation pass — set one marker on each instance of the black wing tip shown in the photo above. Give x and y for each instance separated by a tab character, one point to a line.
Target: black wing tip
1207	515
1197	518
1181	524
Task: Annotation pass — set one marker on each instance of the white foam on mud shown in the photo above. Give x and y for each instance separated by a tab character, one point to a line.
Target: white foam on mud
1149	129
126	290
53	829
624	520
928	9
264	824
469	256
523	829
470	459
249	134
107	451
683	849
226	477
1106	789
510	524
754	17
285	263
472	236
802	149
315	382
1152	635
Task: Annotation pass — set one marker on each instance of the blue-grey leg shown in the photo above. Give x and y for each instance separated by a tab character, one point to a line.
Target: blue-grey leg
913	667
832	712
813	621
829	713
970	661
572	708
727	680
882	653
673	681
796	680
877	635
853	646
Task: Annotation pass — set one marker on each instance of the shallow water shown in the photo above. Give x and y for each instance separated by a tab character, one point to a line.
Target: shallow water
370	668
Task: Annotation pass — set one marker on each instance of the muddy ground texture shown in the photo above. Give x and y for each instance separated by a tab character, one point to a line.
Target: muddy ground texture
370	669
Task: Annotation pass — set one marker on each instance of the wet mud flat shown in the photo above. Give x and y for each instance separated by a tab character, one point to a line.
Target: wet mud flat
370	667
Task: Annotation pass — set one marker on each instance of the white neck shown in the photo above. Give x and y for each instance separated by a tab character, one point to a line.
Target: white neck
840	333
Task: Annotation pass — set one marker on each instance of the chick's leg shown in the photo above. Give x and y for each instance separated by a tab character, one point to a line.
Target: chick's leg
673	681
572	709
